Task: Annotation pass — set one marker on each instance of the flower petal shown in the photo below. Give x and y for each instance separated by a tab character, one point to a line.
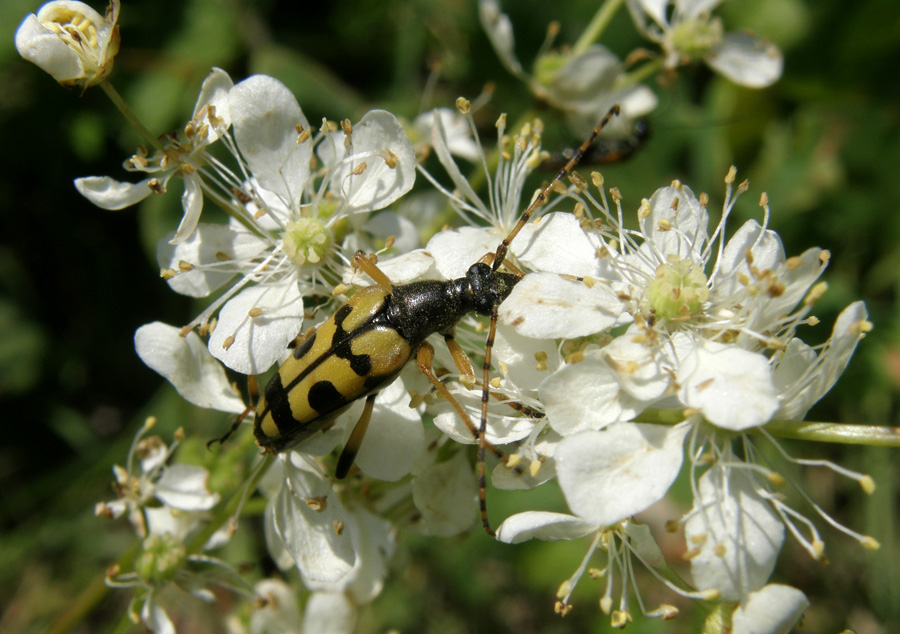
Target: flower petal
185	487
380	167
265	116
731	386
547	306
543	525
186	363
736	532
774	609
609	475
307	530
747	60
258	341
108	193
445	494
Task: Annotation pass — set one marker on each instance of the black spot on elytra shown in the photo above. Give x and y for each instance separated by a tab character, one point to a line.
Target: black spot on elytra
278	405
324	397
301	350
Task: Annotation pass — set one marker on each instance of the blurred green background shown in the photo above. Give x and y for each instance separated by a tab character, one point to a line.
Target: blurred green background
76	281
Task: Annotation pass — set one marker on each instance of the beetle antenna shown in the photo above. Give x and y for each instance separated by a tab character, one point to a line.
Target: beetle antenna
544	194
500	255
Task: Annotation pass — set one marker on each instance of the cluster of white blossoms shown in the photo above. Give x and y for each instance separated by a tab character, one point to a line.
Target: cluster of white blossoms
628	344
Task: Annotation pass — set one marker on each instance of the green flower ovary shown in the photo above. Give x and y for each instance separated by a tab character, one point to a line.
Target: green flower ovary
162	558
306	241
695	38
678	290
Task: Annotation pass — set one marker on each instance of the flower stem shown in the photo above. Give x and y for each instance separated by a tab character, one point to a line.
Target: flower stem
597	25
129	114
847	434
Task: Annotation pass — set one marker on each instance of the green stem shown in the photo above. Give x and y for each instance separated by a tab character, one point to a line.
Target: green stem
129	114
597	25
636	76
870	435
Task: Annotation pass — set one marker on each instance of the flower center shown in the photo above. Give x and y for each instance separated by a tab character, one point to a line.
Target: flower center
678	291
76	29
695	38
306	241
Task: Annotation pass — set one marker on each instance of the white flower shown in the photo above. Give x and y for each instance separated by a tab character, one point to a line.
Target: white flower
184	156
705	316
583	84
686	31
71	41
181	488
289	221
336	548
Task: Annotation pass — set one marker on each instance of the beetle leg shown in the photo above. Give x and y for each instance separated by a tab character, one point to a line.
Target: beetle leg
253	392
482	427
348	455
424	359
461	359
368	266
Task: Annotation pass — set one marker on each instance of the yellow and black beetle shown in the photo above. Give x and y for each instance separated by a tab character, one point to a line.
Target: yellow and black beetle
368	340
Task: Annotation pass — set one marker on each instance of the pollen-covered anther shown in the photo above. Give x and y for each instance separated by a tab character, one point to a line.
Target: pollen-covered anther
818	547
155	186
138	162
616	195
184	332
703	199
776	289
763	199
673	526
719	550
541	360
167	274
862	327
711	594
390	159
495	382
644	210
467	380
338	527
731	175
606	603
221	256
664	612
578	180
664	224
256	311
744	186
559	188
870	543
463	105
815	293
500	123
597	179
562	608
534	467
359	169
185	266
318	503
825	256
513	460
229	341
620	618
775	479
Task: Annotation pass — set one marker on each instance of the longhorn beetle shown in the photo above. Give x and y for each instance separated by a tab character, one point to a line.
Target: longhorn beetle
367	341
